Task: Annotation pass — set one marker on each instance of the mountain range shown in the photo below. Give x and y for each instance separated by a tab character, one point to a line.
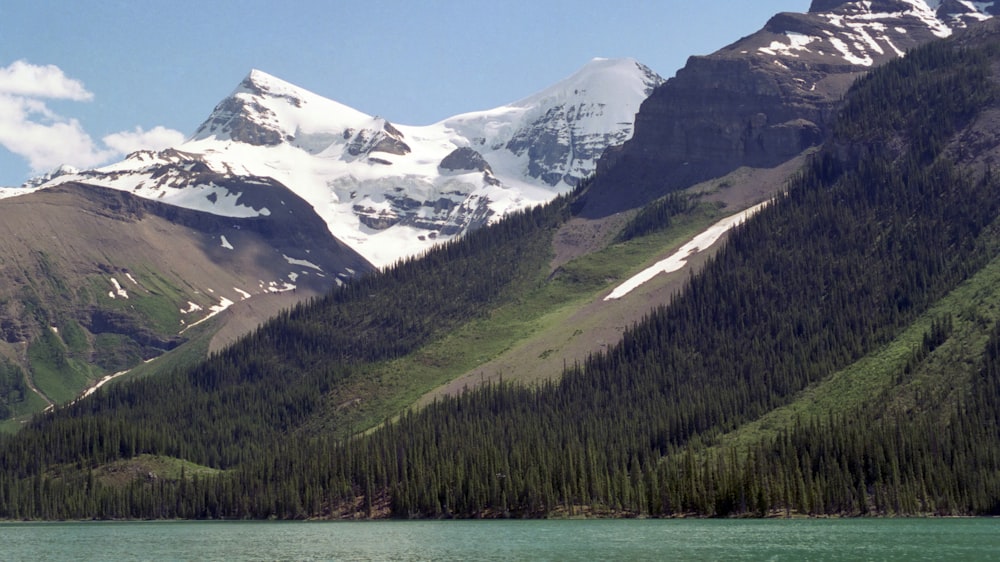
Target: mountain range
599	355
254	186
388	191
278	196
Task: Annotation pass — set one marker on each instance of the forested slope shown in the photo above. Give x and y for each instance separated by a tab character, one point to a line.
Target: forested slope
877	229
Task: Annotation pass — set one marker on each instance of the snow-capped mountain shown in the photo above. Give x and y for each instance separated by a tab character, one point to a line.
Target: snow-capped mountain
864	33
388	191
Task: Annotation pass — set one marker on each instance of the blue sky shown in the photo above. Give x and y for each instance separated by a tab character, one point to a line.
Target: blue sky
84	82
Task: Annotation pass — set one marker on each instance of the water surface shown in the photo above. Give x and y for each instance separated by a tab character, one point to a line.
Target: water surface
838	539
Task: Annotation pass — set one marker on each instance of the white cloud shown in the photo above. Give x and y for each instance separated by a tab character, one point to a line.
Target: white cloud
29	129
24	79
156	138
45	139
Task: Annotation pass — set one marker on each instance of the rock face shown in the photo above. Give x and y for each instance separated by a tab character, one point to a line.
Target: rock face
388	140
764	99
465	158
243	118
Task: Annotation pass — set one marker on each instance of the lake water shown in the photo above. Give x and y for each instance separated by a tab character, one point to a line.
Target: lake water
838	539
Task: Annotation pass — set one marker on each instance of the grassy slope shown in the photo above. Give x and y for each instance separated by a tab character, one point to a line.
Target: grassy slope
562	318
144	468
58	368
571	320
527	339
565	318
66	359
92	236
121	473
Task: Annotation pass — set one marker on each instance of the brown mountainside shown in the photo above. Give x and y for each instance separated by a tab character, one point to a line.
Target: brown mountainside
96	280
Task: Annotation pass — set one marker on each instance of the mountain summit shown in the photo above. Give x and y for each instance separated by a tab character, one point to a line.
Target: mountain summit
267	111
388	191
558	134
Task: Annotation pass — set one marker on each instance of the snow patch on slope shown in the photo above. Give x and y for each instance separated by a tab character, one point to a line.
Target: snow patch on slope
678	259
303	263
863	34
797	42
224	303
118	290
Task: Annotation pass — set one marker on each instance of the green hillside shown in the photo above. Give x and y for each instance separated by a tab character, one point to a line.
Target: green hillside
839	356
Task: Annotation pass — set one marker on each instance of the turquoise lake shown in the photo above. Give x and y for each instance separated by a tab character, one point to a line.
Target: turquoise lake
838	539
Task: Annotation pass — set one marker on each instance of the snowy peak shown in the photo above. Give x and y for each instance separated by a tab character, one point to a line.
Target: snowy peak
63	170
388	191
558	134
583	115
600	79
245	116
266	111
260	83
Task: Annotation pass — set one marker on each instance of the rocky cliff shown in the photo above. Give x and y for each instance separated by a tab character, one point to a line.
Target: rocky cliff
763	99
